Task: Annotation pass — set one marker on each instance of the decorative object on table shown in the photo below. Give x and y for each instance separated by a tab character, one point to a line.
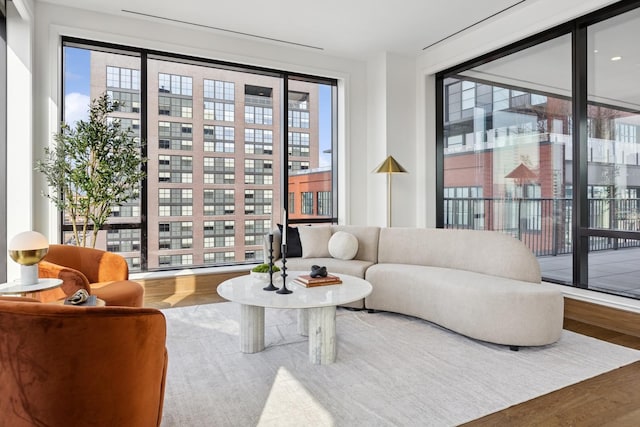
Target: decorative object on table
389	166
318	271
284	290
105	159
82	298
270	267
27	249
309	281
261	272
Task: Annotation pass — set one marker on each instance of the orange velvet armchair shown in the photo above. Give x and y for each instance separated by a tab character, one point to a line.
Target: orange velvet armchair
66	366
103	274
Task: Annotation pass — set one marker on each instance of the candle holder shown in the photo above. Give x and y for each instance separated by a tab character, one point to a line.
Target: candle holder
283	289
270	287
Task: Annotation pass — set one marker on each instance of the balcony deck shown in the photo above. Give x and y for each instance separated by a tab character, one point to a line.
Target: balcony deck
615	271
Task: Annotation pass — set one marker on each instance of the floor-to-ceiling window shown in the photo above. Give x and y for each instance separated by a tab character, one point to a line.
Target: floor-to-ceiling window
613	153
217	137
539	140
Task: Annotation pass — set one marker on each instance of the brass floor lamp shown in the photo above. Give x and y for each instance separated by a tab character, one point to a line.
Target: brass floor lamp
389	166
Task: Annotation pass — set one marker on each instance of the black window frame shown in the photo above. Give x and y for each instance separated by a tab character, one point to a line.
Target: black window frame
284	76
581	230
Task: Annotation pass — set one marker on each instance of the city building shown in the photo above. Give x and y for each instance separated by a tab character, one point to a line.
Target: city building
213	159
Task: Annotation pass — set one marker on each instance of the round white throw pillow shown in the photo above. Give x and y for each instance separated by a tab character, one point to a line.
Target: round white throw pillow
343	245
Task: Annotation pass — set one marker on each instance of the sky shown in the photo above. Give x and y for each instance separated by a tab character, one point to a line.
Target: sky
76	84
77	89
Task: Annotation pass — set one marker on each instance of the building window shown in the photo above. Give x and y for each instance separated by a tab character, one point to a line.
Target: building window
258	171
258	115
176	169
299	144
220	111
123	78
217	89
175	107
175	235
175	201
175	85
258	141
219	139
324	203
219	170
296	165
219	202
307	203
258	202
292	202
175	136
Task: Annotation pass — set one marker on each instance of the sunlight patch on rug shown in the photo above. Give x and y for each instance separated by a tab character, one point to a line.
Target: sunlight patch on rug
290	400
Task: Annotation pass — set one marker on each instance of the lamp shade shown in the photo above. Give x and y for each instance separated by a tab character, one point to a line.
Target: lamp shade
28	248
390	165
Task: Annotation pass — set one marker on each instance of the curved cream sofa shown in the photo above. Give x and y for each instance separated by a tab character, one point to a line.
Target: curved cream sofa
482	284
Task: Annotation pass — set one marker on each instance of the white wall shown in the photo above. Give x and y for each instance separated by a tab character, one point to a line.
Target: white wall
392	131
20	199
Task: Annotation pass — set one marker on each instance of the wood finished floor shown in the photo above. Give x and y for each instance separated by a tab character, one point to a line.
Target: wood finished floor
610	399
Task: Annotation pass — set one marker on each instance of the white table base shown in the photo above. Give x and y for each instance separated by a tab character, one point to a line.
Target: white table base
251	328
322	335
319	323
303	322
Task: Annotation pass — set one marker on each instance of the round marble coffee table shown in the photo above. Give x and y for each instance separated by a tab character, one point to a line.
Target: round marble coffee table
316	318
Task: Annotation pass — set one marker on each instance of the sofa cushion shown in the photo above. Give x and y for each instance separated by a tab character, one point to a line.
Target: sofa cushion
481	251
343	245
294	247
367	236
315	241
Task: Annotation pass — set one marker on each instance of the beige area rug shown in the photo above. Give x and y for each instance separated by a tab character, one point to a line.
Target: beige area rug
391	370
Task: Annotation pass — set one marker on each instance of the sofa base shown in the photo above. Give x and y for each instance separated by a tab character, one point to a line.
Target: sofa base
488	308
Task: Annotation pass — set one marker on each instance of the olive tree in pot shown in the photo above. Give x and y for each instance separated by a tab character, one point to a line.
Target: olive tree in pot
91	168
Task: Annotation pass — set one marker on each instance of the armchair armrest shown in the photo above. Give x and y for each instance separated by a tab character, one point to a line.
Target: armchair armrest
72	280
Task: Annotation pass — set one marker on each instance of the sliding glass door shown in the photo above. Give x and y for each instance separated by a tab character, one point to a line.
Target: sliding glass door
541	141
613	156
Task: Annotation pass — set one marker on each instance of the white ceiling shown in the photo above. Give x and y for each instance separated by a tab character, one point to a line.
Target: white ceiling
349	28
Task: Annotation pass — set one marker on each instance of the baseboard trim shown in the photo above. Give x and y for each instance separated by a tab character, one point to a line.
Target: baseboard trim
599	298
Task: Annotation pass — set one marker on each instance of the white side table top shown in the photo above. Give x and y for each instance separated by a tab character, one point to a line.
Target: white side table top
248	290
16	287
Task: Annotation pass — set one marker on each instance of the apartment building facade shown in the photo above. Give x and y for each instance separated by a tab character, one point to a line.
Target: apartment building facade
213	158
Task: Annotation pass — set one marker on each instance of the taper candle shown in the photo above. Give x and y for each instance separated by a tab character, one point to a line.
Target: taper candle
284	227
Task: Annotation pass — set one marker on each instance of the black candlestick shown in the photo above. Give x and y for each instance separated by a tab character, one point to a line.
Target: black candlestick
283	289
270	287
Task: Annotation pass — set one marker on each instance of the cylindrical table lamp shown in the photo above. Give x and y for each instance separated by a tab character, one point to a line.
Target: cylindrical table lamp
27	249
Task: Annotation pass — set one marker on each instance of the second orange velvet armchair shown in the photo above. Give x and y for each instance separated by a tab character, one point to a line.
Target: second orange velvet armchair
103	274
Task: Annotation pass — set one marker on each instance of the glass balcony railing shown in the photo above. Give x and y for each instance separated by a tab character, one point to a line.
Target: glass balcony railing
544	225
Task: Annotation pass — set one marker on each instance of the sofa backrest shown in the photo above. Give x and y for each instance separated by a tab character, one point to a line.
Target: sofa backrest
487	252
368	237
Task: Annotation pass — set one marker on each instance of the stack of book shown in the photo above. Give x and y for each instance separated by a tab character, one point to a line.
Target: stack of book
309	282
